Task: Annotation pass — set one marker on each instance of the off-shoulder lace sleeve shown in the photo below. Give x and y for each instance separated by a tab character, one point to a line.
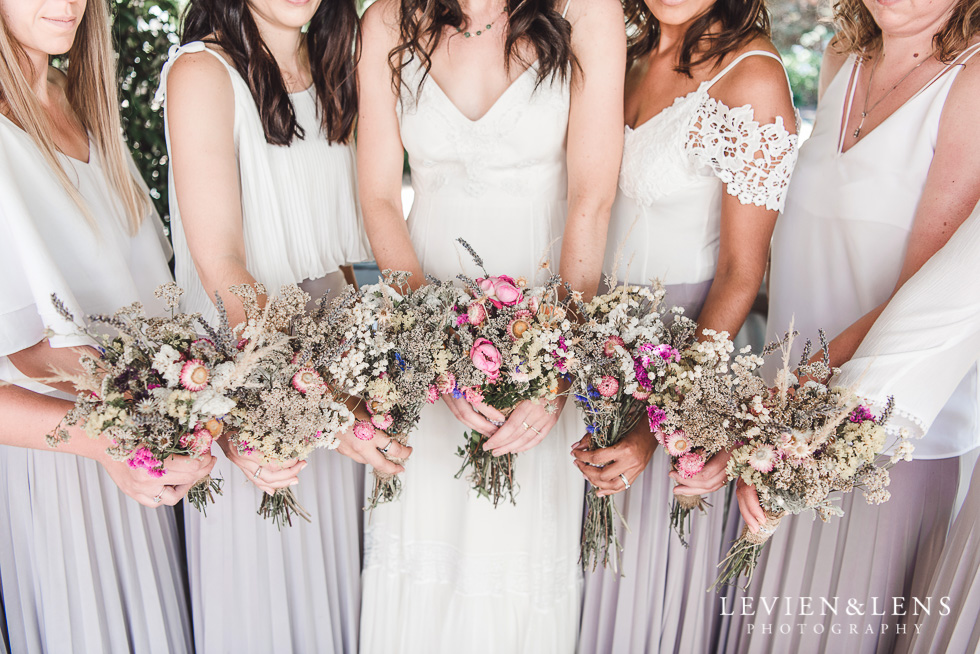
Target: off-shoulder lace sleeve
754	161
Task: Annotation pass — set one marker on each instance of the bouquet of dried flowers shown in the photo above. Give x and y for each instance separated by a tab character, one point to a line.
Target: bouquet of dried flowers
511	343
158	389
801	442
287	409
393	344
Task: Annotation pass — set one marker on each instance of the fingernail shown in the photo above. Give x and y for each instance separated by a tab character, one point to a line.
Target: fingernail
303	464
294	482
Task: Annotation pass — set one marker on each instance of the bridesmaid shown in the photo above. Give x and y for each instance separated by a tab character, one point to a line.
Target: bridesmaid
82	567
259	117
510	113
890	172
699	219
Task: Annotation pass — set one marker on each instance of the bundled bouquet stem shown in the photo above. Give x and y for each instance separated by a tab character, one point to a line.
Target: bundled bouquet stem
799	443
158	389
511	343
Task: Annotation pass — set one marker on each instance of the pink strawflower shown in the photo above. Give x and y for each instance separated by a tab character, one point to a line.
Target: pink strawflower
473	395
641	394
432	395
194	375
476	313
659	435
690	464
763	458
446	383
608	386
611	345
656	416
678	443
363	430
520	324
197	442
306	380
382	422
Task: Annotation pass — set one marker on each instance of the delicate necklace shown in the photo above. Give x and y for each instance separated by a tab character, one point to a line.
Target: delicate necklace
485	29
871	79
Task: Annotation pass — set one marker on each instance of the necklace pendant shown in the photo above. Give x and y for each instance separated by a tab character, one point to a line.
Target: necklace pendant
857	132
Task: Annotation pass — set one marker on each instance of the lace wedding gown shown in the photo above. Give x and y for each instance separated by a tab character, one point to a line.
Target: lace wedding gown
666	225
444	570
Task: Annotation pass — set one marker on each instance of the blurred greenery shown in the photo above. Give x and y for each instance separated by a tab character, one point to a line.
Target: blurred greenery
143	31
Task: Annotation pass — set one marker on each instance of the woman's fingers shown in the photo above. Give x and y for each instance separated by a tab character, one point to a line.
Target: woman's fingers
534	434
749	507
599	457
467	415
490	413
395	450
512	430
378	461
590	473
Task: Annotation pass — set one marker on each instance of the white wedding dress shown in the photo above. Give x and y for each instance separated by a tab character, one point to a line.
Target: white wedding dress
444	570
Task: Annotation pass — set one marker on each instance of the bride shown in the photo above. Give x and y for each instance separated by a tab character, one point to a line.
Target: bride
511	113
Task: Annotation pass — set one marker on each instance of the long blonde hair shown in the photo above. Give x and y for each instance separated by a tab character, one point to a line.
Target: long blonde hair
858	33
91	93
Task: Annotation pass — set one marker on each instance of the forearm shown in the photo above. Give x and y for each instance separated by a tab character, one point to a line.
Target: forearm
729	301
221	273
44	363
584	245
29	417
390	241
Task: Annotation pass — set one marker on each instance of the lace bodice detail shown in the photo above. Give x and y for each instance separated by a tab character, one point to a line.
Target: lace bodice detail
697	136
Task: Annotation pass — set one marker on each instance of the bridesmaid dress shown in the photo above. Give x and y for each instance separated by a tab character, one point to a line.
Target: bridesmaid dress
918	350
84	568
444	570
253	587
837	253
666	225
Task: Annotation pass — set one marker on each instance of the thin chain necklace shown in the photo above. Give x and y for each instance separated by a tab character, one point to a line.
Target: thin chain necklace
485	29
866	110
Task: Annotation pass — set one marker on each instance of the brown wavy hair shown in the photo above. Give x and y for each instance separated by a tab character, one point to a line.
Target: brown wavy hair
857	31
330	41
725	27
534	22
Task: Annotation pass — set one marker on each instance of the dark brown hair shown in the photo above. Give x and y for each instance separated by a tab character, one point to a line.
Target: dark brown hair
726	26
857	32
330	42
537	23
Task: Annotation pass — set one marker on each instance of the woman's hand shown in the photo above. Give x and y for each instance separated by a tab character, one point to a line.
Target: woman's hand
711	478
182	473
375	451
748	505
526	426
267	475
479	417
603	467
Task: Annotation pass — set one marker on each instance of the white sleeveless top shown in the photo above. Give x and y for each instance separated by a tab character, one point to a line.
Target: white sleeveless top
49	246
301	218
839	247
666	219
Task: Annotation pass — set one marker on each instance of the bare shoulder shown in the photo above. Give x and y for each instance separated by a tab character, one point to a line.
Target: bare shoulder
759	81
380	23
591	14
960	107
199	78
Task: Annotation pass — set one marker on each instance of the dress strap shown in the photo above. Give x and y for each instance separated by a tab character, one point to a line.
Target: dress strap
738	59
172	55
960	60
567	5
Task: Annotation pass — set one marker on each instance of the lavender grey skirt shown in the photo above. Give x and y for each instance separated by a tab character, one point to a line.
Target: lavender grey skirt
866	559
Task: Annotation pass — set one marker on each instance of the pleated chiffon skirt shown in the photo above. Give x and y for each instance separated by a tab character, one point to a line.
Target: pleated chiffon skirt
661	603
958	579
85	568
256	589
869	556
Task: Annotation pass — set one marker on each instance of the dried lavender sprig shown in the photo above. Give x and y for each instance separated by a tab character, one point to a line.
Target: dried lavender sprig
62	310
477	259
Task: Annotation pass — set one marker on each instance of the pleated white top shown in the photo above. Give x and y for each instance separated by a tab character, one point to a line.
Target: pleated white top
300	214
927	338
677	166
838	249
49	246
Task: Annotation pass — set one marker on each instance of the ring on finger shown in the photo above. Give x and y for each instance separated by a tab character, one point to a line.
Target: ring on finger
625	481
159	496
384	450
257	473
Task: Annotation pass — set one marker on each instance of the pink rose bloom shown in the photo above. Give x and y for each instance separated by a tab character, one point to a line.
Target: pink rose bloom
502	291
363	430
472	395
486	358
476	313
690	464
446	382
382	422
432	395
608	386
678	443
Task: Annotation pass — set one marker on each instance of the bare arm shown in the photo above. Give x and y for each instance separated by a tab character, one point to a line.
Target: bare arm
200	117
595	138
380	154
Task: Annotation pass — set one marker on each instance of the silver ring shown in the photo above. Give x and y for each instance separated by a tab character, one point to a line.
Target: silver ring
159	497
257	473
384	450
526	426
625	481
